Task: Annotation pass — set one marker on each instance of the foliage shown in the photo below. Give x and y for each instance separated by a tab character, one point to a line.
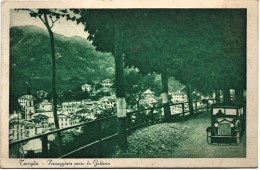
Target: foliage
136	84
106	113
159	138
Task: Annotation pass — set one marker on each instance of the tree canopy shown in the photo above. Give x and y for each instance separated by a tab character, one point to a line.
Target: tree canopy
205	48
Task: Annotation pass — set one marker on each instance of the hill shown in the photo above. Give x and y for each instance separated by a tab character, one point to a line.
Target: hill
77	61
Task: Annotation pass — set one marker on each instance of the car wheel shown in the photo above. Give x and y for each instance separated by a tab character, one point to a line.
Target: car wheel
209	137
238	137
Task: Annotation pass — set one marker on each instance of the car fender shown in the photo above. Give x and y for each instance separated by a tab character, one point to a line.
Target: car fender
209	129
238	125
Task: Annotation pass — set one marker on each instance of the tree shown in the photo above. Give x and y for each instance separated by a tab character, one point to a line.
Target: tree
210	55
106	33
234	39
147	45
48	18
136	84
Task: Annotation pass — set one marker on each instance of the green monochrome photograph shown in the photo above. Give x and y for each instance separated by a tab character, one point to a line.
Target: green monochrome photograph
127	83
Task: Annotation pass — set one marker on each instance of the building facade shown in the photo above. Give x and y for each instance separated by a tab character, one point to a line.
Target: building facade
86	87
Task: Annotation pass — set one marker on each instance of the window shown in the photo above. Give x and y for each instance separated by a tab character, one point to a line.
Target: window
231	112
61	124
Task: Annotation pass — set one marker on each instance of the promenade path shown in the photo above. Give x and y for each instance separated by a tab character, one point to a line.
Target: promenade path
179	140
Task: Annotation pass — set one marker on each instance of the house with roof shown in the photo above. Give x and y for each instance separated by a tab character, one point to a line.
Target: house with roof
64	120
20	129
107	83
49	114
86	87
42	120
107	102
45	106
86	113
26	100
148	93
74	119
87	102
71	106
178	96
149	99
16	129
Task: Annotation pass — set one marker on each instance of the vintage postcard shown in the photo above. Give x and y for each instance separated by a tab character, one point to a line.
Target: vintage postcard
129	84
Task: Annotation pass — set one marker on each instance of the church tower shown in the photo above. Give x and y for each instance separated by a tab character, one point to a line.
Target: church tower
29	106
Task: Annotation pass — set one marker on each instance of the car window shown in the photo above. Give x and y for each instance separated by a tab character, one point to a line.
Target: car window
217	110
241	110
231	111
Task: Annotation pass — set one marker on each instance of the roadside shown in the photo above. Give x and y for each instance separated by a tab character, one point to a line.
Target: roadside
178	140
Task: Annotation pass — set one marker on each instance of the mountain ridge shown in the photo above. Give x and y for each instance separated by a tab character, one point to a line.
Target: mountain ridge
76	58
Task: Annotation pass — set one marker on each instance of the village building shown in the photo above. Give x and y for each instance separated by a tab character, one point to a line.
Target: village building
86	87
46	113
148	93
45	106
107	83
71	107
107	102
26	100
87	102
43	120
20	129
86	113
34	146
74	119
64	120
148	99
178	96
176	109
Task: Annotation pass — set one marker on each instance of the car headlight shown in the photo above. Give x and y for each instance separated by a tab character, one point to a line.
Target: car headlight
216	125
232	125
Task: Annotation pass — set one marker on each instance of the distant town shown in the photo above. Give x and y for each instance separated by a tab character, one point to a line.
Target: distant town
37	118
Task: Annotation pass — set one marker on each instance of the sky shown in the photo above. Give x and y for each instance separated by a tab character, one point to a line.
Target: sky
62	26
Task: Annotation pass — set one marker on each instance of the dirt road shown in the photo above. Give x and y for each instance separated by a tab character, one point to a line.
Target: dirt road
179	140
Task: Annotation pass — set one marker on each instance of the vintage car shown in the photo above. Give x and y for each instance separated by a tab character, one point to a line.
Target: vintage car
227	123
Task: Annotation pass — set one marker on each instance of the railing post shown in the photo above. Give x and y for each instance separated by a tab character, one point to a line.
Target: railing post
122	136
207	105
152	118
182	105
128	116
45	146
196	107
59	143
100	144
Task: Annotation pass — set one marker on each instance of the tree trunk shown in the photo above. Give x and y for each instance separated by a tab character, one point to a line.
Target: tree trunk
165	96
120	90
238	95
227	98
54	95
188	86
138	104
217	95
